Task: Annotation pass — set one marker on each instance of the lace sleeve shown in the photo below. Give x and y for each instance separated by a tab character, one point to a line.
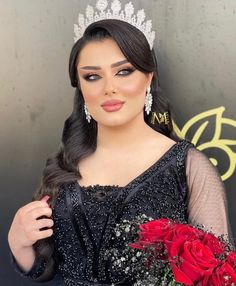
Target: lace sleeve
207	203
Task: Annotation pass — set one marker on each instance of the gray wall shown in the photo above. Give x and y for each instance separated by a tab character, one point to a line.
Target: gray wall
197	66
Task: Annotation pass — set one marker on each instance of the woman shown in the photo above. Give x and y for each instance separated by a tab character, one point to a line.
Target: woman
113	164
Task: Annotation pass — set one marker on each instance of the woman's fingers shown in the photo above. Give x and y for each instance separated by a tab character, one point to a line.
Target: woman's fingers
43	222
31	223
40	234
32	205
45	198
39	212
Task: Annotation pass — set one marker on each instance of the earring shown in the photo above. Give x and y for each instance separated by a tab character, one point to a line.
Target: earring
148	101
88	115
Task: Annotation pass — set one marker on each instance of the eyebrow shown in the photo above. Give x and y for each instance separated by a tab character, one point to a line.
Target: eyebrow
98	67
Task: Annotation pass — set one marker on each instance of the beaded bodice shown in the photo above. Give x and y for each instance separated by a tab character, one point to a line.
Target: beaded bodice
85	217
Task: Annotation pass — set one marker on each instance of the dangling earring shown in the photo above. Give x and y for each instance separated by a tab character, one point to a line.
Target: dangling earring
148	101
88	115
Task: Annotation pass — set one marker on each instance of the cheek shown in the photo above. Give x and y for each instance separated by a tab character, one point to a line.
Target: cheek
135	87
91	92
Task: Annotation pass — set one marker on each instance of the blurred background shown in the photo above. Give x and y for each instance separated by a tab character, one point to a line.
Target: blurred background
195	47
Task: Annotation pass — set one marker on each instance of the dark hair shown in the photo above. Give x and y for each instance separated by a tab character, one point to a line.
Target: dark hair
79	139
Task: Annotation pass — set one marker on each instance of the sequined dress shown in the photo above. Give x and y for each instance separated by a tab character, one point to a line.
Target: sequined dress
85	217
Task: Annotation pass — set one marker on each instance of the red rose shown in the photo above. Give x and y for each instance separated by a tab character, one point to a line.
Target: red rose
155	231
191	261
216	246
223	275
231	259
184	232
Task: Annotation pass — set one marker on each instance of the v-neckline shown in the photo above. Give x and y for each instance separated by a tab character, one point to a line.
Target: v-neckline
137	178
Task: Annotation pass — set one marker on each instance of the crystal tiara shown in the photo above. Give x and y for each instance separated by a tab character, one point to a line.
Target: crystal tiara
116	12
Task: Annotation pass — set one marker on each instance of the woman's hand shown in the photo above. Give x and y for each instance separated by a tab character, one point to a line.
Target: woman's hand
31	223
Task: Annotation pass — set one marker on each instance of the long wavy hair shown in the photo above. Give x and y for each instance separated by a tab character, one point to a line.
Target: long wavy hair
79	139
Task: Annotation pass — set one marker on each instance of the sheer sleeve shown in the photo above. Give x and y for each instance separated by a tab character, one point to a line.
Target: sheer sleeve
207	203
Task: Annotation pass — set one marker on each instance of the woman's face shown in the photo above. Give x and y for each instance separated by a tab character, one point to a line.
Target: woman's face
114	91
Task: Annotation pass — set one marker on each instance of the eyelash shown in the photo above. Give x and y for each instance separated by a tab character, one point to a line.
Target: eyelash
87	77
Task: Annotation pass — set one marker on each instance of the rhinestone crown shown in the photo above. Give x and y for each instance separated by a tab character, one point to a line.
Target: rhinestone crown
115	12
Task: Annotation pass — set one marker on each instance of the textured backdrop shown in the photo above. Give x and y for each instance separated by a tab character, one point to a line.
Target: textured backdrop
195	48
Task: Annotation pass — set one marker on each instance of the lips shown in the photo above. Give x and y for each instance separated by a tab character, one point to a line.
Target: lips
112	102
112	105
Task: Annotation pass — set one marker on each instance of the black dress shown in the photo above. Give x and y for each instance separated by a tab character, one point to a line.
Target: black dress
85	219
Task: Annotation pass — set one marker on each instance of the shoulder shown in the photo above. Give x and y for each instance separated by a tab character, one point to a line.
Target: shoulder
198	164
195	156
180	149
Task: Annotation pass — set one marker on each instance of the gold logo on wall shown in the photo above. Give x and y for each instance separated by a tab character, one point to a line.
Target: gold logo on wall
216	141
160	118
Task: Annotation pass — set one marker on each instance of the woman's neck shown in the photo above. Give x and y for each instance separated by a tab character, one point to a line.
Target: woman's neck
123	137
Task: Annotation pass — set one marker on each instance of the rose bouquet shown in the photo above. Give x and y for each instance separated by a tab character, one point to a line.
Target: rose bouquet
184	255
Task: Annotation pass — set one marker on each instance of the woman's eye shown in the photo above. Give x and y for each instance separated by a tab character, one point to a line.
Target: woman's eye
126	71
123	72
91	77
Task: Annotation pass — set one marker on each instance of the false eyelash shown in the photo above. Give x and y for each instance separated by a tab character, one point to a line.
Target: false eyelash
87	76
127	69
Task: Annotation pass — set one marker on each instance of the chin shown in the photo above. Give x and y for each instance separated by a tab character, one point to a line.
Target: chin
115	122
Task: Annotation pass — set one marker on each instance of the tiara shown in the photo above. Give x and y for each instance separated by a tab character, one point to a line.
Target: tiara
126	15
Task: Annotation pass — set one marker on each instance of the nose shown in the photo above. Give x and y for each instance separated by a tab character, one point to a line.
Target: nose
109	88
